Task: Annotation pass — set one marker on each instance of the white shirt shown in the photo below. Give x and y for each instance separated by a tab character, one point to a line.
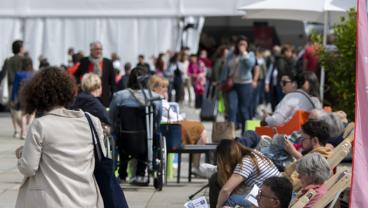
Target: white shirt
287	107
169	114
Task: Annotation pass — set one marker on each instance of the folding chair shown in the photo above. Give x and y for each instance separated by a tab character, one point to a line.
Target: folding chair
339	153
294	124
335	186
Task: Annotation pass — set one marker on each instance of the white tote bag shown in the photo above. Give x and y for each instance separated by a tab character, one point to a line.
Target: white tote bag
4	91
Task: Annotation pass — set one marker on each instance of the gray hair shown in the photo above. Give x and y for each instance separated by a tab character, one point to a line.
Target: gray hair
335	125
94	43
315	167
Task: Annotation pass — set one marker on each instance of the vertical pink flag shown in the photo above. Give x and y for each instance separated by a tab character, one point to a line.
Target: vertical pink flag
359	191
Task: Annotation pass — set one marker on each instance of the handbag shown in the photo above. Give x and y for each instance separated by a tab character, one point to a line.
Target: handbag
4	90
110	190
228	84
222	130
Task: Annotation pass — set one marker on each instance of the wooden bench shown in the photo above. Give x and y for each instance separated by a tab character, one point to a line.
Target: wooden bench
191	149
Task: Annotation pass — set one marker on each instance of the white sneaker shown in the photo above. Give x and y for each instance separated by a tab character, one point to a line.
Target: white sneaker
140	181
205	170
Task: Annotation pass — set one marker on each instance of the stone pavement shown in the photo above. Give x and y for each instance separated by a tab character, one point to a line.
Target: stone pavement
173	195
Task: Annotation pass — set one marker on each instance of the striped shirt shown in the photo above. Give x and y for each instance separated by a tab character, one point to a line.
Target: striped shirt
248	170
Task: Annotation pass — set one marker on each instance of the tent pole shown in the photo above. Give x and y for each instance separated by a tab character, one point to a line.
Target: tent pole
322	81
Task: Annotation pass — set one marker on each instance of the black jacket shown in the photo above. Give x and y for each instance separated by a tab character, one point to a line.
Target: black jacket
107	79
89	103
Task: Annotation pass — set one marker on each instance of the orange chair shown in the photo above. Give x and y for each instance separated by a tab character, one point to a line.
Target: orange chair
295	124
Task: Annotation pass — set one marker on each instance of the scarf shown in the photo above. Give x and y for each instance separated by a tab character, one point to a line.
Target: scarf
96	65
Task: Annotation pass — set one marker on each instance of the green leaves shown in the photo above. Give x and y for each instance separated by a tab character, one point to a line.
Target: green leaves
340	66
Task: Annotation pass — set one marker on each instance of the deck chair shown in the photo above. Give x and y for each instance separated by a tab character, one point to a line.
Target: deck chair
295	124
340	152
335	186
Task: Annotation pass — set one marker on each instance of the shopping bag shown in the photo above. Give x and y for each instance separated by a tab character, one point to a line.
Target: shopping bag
221	104
4	91
222	130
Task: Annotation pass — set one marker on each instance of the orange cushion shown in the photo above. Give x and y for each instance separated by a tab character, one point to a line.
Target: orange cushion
295	124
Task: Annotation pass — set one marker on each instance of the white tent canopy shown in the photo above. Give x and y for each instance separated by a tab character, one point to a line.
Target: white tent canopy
128	27
120	8
303	10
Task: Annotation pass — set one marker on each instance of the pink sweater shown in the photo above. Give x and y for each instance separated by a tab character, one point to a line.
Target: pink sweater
320	191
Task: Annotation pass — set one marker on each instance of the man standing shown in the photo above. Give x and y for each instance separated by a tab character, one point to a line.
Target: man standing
103	67
142	63
10	68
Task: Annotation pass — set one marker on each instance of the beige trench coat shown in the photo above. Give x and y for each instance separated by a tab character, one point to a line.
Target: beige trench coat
58	162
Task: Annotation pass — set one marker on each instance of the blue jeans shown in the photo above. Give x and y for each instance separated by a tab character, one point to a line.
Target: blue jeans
239	99
257	98
238	199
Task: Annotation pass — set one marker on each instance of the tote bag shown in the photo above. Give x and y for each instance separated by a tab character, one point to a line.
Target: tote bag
4	91
222	130
172	132
110	190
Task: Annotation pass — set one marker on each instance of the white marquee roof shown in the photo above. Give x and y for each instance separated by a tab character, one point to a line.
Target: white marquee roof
120	8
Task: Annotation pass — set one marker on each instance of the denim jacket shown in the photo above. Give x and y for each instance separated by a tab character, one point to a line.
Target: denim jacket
125	98
247	63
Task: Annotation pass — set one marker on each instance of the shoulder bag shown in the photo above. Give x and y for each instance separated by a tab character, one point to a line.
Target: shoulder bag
110	190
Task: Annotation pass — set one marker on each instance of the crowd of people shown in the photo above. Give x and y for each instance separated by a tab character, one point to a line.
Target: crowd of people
245	76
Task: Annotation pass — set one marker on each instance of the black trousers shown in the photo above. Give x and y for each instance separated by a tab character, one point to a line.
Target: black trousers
124	159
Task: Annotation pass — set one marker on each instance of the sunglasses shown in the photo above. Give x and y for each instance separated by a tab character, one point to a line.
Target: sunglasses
284	82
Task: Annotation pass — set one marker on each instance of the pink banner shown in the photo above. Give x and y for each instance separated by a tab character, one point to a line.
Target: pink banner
359	192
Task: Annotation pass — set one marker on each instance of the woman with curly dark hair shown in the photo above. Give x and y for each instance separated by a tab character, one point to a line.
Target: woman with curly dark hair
57	159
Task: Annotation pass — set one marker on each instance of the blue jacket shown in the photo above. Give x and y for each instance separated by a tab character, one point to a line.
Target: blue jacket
20	76
247	63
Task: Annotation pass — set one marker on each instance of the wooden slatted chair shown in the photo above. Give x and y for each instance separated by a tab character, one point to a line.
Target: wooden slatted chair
340	152
335	186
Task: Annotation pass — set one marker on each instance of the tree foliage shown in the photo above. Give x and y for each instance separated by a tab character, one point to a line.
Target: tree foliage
340	66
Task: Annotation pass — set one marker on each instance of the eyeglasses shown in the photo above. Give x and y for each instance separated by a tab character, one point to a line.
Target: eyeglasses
97	49
284	82
260	195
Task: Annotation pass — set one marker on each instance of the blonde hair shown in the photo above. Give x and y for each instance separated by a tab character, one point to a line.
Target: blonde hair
156	81
90	82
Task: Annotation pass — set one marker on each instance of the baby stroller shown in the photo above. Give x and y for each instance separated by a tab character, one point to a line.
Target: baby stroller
140	138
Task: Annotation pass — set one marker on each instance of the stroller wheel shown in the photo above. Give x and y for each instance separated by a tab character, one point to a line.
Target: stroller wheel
158	181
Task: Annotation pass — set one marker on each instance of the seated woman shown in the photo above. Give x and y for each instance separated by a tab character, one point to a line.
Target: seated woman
301	94
313	171
133	97
239	169
193	132
87	99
